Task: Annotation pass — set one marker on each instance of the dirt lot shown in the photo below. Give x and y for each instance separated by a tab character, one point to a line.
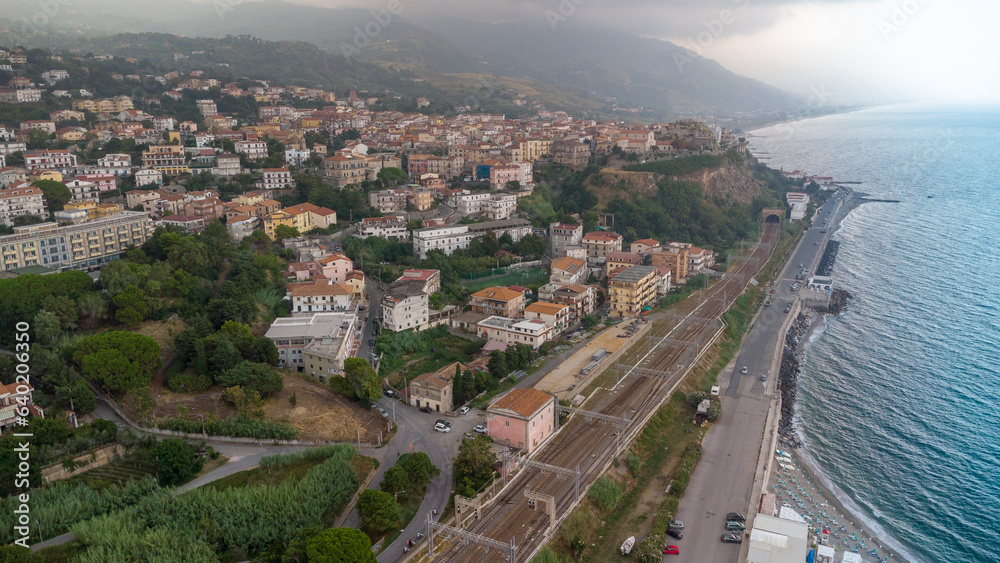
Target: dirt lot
319	413
163	332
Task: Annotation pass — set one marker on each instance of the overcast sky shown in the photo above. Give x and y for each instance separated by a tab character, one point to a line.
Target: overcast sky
839	51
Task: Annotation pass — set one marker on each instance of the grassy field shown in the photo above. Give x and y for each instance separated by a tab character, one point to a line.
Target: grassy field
408	354
526	277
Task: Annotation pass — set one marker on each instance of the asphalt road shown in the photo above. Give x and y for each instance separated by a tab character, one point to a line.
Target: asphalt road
723	480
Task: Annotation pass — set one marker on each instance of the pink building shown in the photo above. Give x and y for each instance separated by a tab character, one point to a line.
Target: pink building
104	182
336	267
522	418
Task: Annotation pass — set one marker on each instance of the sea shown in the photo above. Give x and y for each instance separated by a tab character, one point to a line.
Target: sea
899	396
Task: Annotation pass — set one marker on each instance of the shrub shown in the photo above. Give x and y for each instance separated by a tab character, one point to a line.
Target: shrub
605	493
188	383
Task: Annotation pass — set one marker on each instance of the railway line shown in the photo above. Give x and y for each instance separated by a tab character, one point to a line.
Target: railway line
591	443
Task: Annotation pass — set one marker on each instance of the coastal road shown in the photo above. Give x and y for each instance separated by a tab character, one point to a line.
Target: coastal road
590	441
724	478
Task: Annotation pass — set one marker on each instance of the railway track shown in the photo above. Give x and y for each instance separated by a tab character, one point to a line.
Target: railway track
591	443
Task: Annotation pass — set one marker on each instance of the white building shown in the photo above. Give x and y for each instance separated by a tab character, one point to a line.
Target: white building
405	306
500	206
61	160
320	298
389	226
254	150
531	332
297	157
332	332
19	201
148	176
450	238
275	179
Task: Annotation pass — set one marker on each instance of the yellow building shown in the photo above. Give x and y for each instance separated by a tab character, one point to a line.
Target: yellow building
168	159
53	175
281	217
90	243
632	290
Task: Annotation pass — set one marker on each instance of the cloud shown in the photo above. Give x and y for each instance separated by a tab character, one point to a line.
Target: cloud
859	50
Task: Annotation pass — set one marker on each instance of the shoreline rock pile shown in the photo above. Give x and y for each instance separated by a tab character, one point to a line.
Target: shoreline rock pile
838	300
788	377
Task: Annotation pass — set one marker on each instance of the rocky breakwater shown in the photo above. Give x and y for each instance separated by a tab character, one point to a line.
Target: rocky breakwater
838	300
788	375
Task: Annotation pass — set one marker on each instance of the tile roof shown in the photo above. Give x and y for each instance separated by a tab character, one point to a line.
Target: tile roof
497	294
567	264
441	378
317	290
543	308
524	402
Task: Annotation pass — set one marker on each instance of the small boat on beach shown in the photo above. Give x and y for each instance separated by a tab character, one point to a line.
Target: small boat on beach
627	546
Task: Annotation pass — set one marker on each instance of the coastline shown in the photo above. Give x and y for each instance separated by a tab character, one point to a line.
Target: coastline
842	502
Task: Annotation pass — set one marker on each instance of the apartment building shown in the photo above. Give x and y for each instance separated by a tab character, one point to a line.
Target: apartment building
563	236
275	179
405	306
320	297
148	177
498	301
571	154
168	159
389	226
388	201
20	201
500	206
674	256
344	170
54	159
430	278
253	150
532	333
632	290
568	270
556	315
645	246
112	106
81	245
317	344
581	299
617	261
241	226
450	238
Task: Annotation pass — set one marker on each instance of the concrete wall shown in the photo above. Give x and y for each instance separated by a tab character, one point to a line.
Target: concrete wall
84	462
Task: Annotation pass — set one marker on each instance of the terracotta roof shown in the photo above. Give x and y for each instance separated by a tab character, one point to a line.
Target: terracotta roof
440	379
497	294
524	402
649	241
602	236
543	308
567	264
332	258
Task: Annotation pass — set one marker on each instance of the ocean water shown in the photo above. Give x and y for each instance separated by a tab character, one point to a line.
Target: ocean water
899	396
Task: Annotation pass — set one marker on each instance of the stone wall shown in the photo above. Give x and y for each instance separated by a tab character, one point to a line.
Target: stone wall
83	462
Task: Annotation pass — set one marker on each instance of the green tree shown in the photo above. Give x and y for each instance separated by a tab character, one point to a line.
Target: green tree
263	351
456	385
200	358
92	307
110	369
130	306
138	349
419	468
545	555
497	365
78	396
490	244
395	480
281	232
239	334
379	512
258	377
340	545
55	194
474	464
391	176
247	401
17	554
47	330
362	379
37	139
64	308
176	462
225	357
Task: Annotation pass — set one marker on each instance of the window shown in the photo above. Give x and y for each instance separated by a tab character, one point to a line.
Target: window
506	423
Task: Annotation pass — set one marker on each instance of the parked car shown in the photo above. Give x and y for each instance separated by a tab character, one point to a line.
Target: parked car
388	392
441	427
744	370
733	525
763	377
426	409
481	429
382	412
732	538
443	422
671	550
676	534
735	517
676	524
463	410
371	342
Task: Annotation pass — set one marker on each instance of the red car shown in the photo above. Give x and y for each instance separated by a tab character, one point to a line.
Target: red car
671	550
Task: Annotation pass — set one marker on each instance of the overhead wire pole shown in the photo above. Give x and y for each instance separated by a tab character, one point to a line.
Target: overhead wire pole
481	539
